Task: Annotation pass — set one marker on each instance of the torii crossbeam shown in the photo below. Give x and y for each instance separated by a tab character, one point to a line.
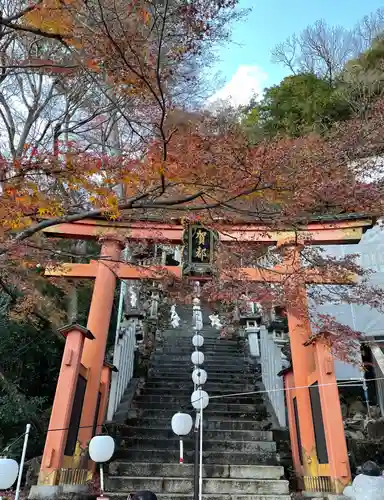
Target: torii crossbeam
123	271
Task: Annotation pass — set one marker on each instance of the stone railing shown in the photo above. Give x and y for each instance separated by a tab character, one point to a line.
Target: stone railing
123	360
272	362
378	363
134	308
128	334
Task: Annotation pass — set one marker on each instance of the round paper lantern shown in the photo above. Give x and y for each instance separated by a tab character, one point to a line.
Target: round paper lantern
9	470
199	376
197	358
197	340
181	423
101	448
199	399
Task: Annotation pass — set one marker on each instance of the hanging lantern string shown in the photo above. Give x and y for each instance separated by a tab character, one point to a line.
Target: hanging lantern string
16	440
348	383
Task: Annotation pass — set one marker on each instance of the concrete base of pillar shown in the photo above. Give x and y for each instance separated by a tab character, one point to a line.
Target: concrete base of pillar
47	492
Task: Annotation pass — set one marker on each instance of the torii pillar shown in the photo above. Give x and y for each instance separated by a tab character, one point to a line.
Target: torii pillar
314	365
98	323
91	348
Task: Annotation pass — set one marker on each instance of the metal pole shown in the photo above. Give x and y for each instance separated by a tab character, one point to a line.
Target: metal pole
101	480
201	451
22	460
196	467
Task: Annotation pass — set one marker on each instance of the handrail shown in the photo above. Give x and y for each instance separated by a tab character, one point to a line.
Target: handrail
123	360
271	365
125	340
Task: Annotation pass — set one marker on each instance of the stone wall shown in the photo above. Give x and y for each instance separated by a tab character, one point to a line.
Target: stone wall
364	432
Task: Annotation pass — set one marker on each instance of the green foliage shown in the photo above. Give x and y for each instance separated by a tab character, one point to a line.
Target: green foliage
298	105
30	358
373	58
14	414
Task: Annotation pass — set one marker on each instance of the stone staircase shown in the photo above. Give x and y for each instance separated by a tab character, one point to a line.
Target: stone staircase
240	459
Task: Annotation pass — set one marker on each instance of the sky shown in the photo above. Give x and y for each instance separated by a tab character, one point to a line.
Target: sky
245	65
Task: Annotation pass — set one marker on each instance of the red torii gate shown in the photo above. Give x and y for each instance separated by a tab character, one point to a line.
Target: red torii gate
85	348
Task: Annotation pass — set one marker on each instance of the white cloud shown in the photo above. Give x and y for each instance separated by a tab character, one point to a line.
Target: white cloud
245	83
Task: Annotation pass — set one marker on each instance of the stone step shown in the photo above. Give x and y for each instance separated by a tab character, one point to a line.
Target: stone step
185	397
212	354
212	379
209	413
267	447
167	433
180	496
183	336
186	329
214	405
216	366
187	470
210	485
155	374
217	381
210	457
208	347
245	395
216	387
185	344
213	340
211	424
187	367
210	367
183	351
183	354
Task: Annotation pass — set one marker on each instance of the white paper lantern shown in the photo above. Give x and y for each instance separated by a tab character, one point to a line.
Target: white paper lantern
101	448
199	399
197	358
181	423
199	376
197	340
9	470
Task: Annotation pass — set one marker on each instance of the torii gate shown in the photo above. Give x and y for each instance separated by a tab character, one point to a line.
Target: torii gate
85	348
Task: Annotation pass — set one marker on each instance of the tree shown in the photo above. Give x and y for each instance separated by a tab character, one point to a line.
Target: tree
205	170
362	80
298	105
140	58
324	50
369	28
319	49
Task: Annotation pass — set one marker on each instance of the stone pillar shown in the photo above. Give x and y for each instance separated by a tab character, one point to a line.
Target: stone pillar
98	322
163	257
332	417
106	376
62	405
